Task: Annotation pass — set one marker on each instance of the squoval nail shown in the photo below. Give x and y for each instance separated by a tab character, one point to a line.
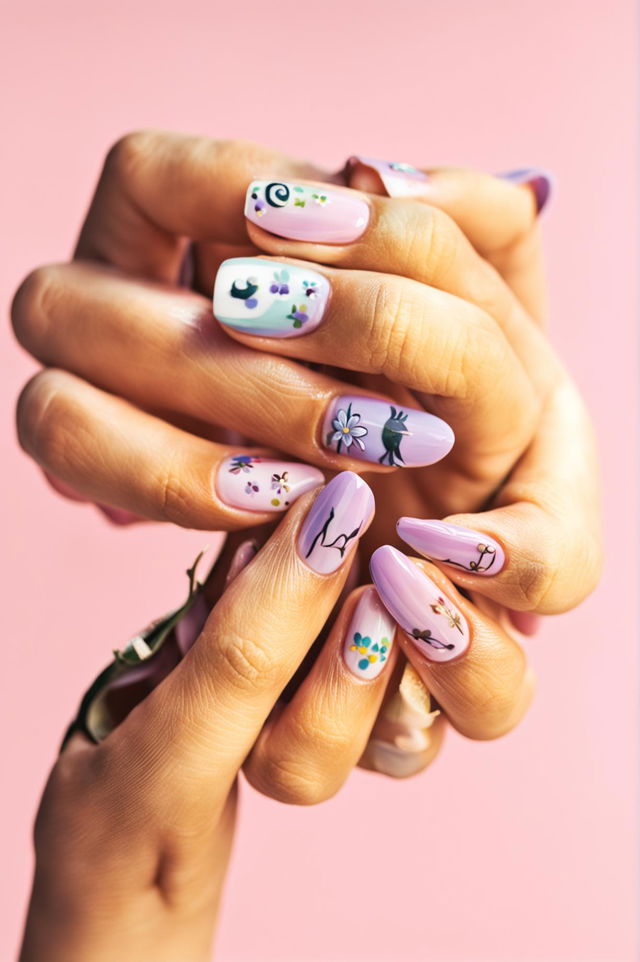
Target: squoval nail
398	179
304	213
369	638
432	622
454	545
264	484
371	429
337	519
541	182
266	298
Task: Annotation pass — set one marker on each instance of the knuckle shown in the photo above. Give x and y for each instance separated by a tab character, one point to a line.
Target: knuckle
288	779
128	154
44	417
389	328
33	304
175	497
246	664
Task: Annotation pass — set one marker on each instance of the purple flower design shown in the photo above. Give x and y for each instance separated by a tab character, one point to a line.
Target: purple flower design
242	463
347	430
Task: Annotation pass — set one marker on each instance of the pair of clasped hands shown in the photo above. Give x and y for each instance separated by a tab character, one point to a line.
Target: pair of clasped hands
381	321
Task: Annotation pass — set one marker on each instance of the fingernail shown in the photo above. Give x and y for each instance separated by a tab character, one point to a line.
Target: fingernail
432	622
338	517
541	182
373	430
267	298
306	213
118	515
452	544
367	643
264	484
398	179
244	553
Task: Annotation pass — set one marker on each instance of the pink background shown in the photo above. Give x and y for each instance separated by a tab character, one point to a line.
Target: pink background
524	849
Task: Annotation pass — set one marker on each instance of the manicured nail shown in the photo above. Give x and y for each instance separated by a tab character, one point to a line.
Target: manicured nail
368	641
244	553
399	180
264	484
307	213
119	516
526	622
433	623
452	544
540	181
256	296
370	429
338	517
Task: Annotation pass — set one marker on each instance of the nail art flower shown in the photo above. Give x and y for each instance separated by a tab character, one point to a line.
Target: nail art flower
280	283
310	289
251	489
320	199
298	314
371	652
242	463
347	430
280	482
453	617
429	639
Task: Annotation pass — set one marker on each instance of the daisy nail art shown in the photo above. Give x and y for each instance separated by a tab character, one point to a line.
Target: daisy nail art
368	642
264	484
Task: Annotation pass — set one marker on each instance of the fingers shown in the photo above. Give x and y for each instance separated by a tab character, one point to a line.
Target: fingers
539	549
310	745
162	350
417	336
158	189
497	214
111	452
475	670
215	702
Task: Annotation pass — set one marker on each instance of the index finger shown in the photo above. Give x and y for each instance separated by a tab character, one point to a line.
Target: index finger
158	190
215	702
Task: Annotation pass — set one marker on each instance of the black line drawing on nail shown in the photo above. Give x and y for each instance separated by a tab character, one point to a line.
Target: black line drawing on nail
340	543
430	640
482	549
393	431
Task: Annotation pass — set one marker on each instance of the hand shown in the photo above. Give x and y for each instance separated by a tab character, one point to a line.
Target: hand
133	834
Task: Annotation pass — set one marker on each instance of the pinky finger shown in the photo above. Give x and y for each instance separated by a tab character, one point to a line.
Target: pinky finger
127	460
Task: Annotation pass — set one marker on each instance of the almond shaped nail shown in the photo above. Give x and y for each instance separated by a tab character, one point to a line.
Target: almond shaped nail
264	484
541	182
269	299
454	545
432	622
369	638
338	517
383	432
299	212
398	179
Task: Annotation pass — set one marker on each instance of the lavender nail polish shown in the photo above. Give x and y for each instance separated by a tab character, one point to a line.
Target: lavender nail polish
382	432
398	179
542	182
264	484
432	622
454	545
256	296
368	641
305	213
338	517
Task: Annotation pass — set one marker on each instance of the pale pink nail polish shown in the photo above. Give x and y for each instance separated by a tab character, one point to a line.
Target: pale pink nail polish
337	519
454	545
369	639
264	484
432	622
304	213
398	179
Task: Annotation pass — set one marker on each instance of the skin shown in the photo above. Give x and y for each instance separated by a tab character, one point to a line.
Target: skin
454	276
133	835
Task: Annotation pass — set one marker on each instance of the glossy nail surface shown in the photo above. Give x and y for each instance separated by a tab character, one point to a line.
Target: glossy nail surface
307	213
399	180
371	429
540	181
338	517
368	641
262	297
264	484
454	545
432	622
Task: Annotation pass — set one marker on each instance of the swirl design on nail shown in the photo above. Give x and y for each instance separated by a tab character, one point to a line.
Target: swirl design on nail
276	194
